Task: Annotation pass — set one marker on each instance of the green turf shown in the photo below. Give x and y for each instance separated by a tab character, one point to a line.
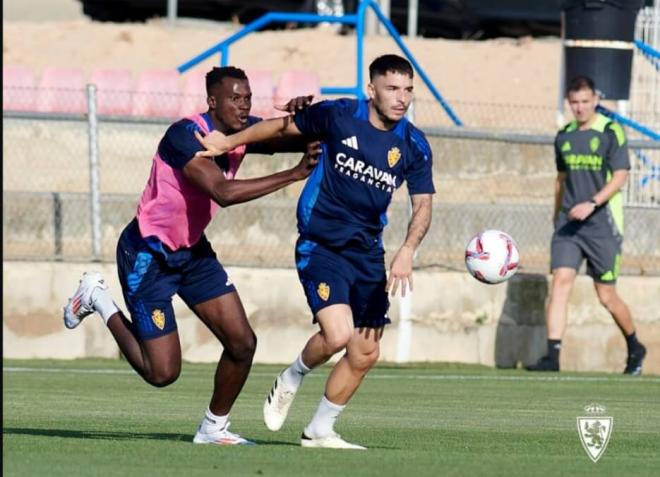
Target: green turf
64	418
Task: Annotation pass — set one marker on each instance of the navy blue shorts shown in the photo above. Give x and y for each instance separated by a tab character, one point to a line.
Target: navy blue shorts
349	276
150	275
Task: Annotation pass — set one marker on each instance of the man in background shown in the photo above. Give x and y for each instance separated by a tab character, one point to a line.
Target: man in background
591	155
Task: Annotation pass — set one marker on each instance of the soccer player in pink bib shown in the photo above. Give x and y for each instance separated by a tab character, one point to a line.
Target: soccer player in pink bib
163	251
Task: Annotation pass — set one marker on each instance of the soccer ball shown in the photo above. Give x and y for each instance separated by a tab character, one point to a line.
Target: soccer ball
492	256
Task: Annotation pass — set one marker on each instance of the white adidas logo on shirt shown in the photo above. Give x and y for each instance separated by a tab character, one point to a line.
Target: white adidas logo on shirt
350	142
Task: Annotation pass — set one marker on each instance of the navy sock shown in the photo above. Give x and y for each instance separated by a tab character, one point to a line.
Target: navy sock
632	342
554	346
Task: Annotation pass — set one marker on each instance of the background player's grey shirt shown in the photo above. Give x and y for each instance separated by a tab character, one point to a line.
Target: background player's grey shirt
588	158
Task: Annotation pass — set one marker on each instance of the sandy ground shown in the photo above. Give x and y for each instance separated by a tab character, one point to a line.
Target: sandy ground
42	33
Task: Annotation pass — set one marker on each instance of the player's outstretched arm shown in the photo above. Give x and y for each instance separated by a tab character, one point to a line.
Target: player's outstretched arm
208	177
217	143
401	266
288	143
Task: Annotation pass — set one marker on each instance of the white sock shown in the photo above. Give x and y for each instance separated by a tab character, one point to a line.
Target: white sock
323	422
294	374
212	423
104	304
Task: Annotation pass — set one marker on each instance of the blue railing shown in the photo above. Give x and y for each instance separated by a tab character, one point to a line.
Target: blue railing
629	122
356	20
653	170
654	58
651	54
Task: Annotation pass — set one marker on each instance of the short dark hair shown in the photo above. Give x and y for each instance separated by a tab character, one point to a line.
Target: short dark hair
392	63
217	74
580	82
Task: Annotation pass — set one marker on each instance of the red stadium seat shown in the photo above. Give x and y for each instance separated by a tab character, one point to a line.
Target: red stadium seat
18	88
194	94
297	83
62	90
262	86
157	94
114	91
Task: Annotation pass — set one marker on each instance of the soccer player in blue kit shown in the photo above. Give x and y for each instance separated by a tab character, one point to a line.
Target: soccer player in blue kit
369	150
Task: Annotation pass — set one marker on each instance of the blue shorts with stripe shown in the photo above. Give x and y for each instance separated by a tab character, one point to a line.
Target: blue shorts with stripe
349	276
150	275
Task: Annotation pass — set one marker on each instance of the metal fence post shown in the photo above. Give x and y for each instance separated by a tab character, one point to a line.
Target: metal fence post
559	115
413	9
57	225
94	185
172	12
385	8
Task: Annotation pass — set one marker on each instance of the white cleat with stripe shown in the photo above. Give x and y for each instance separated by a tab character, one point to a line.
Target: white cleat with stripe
80	304
277	404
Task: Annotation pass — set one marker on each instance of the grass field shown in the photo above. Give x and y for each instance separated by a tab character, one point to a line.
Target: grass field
96	417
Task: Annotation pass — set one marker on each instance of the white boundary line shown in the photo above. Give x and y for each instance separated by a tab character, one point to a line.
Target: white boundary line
422	377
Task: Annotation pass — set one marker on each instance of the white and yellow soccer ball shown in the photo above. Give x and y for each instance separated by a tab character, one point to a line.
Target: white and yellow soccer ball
492	256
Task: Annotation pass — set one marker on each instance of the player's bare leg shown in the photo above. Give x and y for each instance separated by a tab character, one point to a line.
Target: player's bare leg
613	303
362	353
158	361
556	316
557	310
226	319
336	323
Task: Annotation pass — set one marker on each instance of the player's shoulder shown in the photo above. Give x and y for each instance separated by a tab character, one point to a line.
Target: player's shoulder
341	105
182	127
614	128
568	127
604	125
417	139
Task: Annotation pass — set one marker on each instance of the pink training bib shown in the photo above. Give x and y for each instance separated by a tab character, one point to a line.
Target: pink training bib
174	210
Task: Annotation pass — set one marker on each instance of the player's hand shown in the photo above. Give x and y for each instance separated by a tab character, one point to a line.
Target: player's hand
401	271
215	143
296	104
581	211
309	160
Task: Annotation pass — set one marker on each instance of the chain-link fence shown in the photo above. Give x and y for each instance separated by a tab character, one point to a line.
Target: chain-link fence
487	178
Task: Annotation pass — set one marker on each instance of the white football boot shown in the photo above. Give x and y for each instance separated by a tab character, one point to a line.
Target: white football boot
333	441
277	404
220	437
80	304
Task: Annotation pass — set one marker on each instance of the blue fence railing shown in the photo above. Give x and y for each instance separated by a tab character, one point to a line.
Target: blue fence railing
629	122
651	54
357	20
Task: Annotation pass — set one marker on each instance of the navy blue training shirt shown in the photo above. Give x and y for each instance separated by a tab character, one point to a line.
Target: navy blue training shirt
179	144
345	199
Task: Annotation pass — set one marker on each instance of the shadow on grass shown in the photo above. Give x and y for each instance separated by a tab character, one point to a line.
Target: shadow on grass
107	435
117	436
